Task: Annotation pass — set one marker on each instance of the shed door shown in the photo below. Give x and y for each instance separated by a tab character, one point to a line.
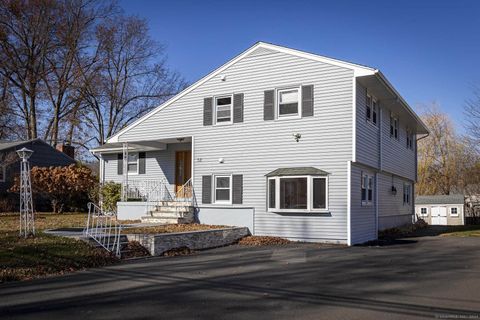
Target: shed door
439	215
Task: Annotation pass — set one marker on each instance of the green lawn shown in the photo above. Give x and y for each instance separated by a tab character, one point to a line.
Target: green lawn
462	231
43	255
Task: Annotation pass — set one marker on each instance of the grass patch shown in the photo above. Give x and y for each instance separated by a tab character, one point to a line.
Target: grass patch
10	221
171	228
44	255
462	231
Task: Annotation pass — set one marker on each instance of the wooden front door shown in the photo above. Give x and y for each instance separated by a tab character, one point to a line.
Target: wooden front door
183	168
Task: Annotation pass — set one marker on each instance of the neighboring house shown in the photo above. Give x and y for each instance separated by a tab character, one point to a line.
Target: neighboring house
286	142
43	155
441	209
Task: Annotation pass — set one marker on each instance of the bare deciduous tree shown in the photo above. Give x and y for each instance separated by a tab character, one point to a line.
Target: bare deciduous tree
126	78
26	29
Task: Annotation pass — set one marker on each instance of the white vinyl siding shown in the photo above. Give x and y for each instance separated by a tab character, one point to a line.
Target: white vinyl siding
255	147
391	210
368	135
363	216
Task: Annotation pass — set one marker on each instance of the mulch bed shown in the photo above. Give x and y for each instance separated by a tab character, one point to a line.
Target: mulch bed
257	241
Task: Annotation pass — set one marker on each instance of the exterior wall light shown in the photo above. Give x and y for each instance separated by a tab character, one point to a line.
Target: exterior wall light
297	136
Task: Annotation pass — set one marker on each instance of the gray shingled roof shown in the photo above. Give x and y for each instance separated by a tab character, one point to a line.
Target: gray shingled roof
441	199
299	171
4	145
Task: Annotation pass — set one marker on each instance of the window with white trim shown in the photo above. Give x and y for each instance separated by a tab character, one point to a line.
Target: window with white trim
298	193
406	193
288	103
394	127
409	139
223	110
367	189
371	112
368	104
223	189
2	173
424	211
132	163
454	211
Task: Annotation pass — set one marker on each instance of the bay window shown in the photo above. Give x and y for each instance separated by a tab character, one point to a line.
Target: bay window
298	193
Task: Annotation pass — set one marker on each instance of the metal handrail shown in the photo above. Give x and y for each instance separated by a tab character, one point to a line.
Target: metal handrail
101	226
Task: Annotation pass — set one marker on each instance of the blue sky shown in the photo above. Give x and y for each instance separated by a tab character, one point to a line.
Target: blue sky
429	50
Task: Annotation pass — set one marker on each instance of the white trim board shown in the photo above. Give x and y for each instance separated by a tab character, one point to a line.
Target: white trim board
358	71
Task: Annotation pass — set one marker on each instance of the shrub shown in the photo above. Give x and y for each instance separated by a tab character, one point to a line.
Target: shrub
65	187
111	194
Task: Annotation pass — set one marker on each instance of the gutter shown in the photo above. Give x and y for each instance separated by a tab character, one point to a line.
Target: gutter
398	97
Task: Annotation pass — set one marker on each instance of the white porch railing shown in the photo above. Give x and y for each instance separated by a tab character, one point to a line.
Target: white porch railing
104	228
145	190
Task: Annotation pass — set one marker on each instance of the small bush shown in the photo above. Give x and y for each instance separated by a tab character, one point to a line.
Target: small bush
111	194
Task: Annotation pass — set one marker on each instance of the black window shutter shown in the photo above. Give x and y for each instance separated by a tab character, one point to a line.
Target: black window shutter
237	185
268	105
207	111
307	101
206	189
238	107
141	163
119	163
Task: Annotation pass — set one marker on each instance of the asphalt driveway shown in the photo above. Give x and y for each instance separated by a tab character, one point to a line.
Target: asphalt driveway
428	277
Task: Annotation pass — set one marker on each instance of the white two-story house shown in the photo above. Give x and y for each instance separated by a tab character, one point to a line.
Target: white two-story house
285	142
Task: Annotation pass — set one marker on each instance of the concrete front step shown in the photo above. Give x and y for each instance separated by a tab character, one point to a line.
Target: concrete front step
173	210
174	204
166	219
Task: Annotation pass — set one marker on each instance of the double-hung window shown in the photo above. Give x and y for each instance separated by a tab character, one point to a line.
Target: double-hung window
223	110
394	127
406	193
223	189
2	173
298	193
369	107
132	163
371	112
423	212
367	189
288	103
409	139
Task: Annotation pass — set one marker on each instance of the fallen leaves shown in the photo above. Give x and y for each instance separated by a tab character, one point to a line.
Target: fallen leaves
256	241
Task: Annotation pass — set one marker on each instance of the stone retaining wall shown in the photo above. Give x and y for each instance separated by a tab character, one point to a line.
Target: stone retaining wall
157	244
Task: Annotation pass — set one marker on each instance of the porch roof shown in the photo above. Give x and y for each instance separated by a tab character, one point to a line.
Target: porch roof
115	147
298	171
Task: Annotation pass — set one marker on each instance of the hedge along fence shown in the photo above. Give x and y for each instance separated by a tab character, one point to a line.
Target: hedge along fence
66	188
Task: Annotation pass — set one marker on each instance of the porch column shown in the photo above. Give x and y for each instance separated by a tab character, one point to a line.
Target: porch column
125	171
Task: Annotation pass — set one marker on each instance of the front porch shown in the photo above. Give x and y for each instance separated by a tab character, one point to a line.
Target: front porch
155	177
